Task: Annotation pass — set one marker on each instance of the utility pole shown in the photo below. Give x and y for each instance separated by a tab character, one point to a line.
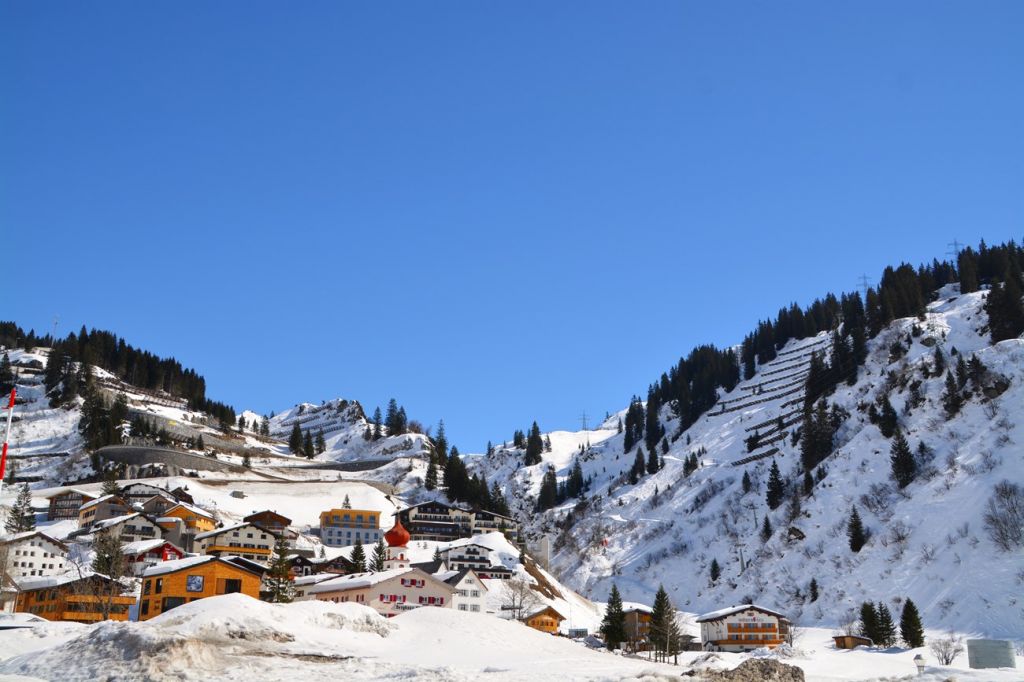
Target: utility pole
864	285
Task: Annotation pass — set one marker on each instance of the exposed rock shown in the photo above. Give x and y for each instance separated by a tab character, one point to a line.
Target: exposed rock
754	670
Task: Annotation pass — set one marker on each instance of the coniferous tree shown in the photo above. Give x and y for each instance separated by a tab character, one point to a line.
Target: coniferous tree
962	374
746	482
776	488
911	630
295	440
358	557
613	625
1005	309
308	449
392	420
639	466
241	423
967	265
716	570
662	619
855	532
378	427
21	518
109	483
938	362
869	622
813	590
6	375
952	400
886	627
430	483
652	461
766	529
808	483
548	496
904	468
888	420
380	554
534	446
200	444
441	444
279	580
437	554
321	442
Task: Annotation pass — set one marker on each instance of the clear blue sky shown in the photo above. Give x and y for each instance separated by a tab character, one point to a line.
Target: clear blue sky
494	212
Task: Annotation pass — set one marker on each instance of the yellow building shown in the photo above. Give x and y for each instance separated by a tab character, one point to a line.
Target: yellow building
173	583
195	519
81	600
545	620
341	527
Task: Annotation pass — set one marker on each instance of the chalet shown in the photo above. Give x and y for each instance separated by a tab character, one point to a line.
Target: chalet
490	522
68	597
173	583
137	493
637	620
272	521
181	495
131	527
341	527
437	521
143	554
33	554
742	628
495	572
183	521
67	503
157	504
546	620
388	592
339	565
101	509
246	540
470	592
470	555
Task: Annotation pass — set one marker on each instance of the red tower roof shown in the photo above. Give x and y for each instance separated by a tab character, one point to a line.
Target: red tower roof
398	536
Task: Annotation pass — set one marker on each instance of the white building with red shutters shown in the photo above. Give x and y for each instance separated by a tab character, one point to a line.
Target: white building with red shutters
396	589
142	554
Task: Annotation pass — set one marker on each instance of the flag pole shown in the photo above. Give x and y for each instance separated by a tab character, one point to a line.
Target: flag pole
7	437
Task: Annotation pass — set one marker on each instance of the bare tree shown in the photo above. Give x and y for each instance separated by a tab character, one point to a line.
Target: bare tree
947	648
850	624
519	597
1004	516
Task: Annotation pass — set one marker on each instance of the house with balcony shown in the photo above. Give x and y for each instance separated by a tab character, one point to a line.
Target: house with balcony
437	521
144	554
743	628
134	527
246	540
66	504
73	598
637	621
101	509
172	583
341	527
469	555
272	521
137	493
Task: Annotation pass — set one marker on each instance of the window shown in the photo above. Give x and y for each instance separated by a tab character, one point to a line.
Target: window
171	602
159	585
145	607
232	585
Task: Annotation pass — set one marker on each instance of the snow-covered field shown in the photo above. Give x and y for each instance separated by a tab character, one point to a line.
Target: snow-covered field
235	637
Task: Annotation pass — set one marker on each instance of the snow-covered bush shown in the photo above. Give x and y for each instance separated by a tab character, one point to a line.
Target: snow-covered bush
1004	516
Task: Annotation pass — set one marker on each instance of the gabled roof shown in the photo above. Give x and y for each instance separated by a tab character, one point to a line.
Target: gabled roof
198	511
722	613
552	609
453	578
284	518
108	523
430	567
225	529
18	537
150	486
165	567
360	580
143	546
114	499
65	491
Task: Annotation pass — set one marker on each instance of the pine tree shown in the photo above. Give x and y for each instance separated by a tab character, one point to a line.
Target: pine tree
886	627
808	483
380	553
307	445
776	488
1005	309
962	374
938	362
855	531
639	467
358	557
109	483
869	622
716	570
613	625
746	482
241	423
766	529
321	442
652	461
548	496
441	445
21	518
904	468
911	630
888	420
6	375
430	483
295	440
534	446
437	553
200	444
662	618
952	400
278	580
813	590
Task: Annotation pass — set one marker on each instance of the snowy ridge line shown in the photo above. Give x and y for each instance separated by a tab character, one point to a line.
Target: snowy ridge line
803	348
799	373
758	402
769	422
754	458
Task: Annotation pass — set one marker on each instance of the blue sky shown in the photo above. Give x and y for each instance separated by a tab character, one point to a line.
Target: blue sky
494	212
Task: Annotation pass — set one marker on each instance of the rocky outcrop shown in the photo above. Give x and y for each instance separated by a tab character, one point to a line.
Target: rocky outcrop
753	670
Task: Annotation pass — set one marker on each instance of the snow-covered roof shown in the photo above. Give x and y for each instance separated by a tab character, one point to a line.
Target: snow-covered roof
225	529
64	491
192	508
188	562
98	500
143	546
18	537
40	582
359	580
453	578
107	523
314	578
722	613
628	606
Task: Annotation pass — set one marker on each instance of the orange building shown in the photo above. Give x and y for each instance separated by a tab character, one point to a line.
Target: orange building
81	600
545	620
173	583
195	519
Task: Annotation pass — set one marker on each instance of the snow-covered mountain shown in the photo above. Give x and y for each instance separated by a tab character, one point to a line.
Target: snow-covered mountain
928	540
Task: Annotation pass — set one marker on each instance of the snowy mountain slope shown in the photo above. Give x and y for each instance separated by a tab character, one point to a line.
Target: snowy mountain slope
929	542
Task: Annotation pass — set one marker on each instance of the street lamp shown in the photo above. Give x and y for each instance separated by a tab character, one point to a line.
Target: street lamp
919	662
